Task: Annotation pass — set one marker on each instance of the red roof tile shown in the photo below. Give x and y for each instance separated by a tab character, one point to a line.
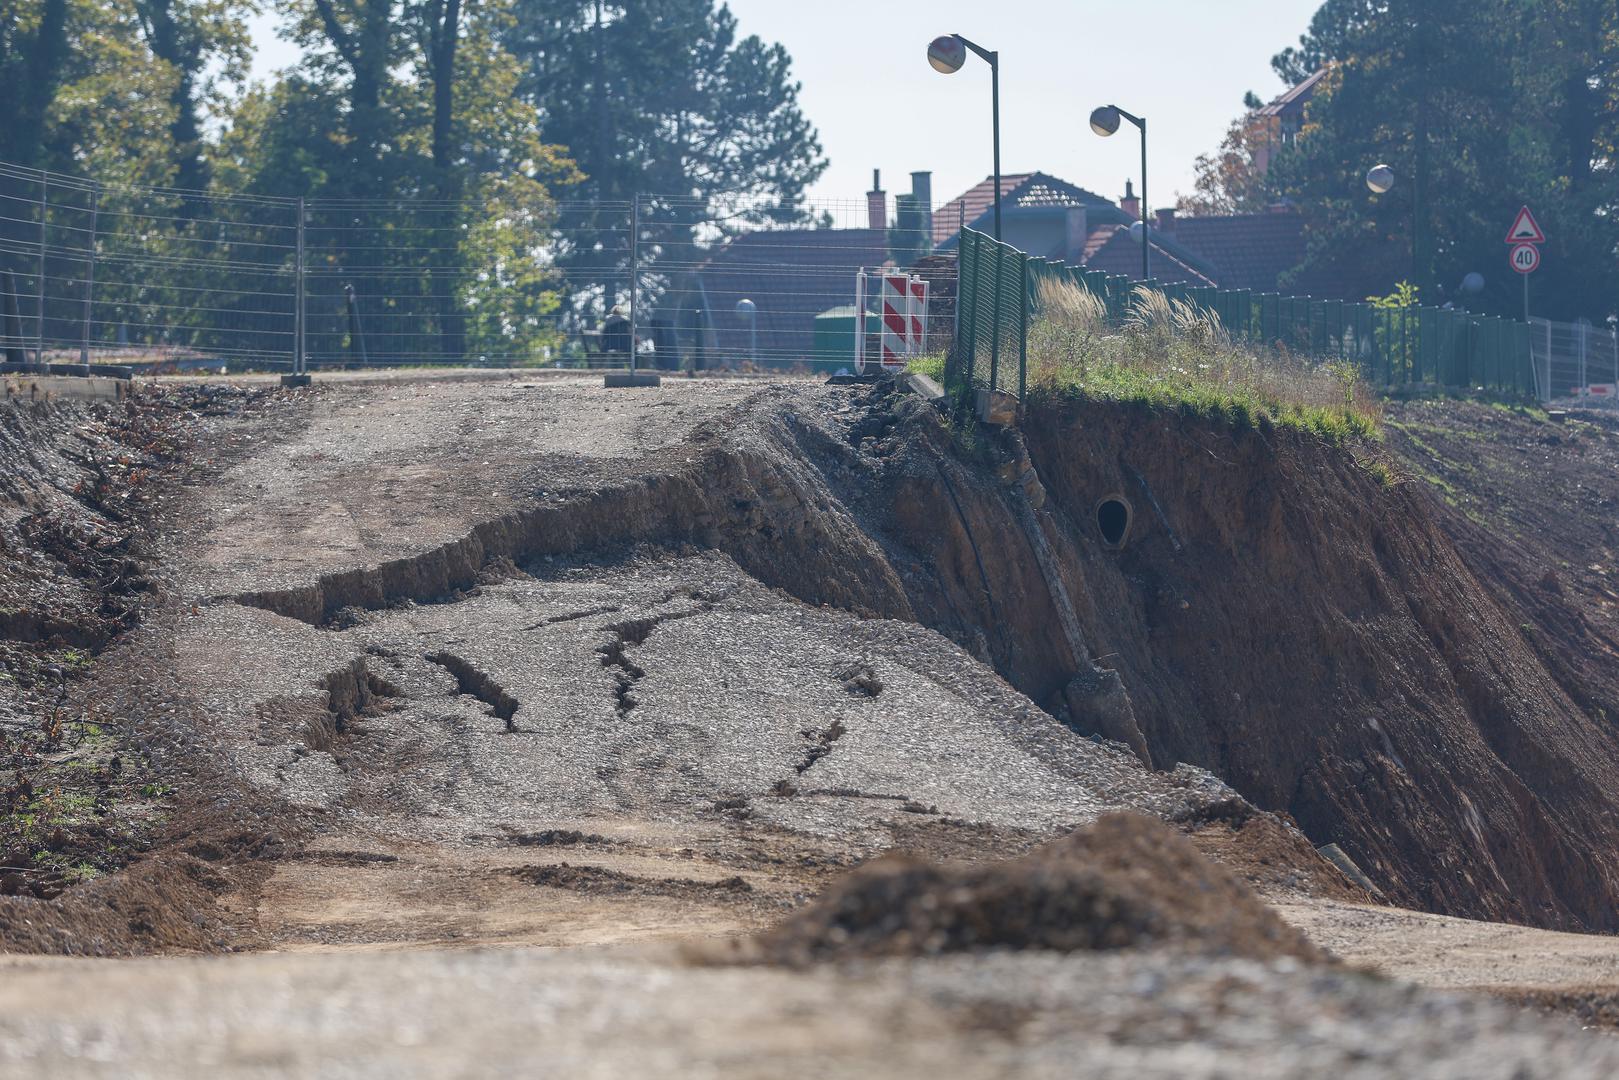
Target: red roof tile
1017	190
1111	249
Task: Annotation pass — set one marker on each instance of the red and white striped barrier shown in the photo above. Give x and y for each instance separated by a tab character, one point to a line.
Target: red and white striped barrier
919	316
896	315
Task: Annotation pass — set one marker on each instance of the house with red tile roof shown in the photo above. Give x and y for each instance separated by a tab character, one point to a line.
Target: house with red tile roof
1051	218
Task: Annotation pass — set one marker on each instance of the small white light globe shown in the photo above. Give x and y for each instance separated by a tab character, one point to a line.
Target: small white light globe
1380	178
1137	231
1473	283
946	53
744	309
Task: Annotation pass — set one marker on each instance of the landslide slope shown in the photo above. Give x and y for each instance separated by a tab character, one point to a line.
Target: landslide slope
1311	633
1278	614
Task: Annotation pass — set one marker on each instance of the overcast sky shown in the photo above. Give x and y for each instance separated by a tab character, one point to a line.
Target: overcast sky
1184	64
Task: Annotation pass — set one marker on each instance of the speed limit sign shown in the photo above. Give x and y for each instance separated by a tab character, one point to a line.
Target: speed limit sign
1525	258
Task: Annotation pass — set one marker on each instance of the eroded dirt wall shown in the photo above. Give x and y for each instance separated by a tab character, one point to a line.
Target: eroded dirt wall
1311	634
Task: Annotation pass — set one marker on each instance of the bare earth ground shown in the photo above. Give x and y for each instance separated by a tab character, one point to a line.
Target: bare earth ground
596	760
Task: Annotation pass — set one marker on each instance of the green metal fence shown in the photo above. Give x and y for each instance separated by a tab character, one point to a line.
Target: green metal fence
994	301
1395	348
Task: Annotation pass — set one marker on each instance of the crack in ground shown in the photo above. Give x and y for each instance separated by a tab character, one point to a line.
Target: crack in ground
474	683
628	674
574	616
820	744
635	632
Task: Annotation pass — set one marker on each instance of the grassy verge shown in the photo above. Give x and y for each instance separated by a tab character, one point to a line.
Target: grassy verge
1171	355
931	366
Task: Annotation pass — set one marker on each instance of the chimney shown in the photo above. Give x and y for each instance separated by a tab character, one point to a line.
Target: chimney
877	202
1130	204
1078	233
922	199
1166	220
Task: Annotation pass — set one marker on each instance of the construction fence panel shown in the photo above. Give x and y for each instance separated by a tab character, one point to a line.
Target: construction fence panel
1574	363
153	278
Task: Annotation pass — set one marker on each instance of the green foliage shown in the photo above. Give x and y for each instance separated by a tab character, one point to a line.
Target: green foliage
1479	106
931	366
1403	296
1170	355
661	96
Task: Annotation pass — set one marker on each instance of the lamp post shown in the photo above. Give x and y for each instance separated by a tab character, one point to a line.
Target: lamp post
747	309
1380	180
1105	121
947	53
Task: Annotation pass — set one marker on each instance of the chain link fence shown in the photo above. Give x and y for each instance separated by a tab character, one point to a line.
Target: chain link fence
993	307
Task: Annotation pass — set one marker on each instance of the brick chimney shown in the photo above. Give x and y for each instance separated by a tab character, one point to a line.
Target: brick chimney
1078	232
922	196
877	202
1130	204
1166	220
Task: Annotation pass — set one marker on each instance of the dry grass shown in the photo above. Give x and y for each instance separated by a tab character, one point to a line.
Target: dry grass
1171	353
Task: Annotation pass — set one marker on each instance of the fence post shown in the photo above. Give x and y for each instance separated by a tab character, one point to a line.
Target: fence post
1023	336
995	321
356	339
635	275
298	359
1585	381
39	299
90	278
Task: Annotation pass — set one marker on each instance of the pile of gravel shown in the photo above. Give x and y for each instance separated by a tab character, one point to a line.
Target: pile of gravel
1126	881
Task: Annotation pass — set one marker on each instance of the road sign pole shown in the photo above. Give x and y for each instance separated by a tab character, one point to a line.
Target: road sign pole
1525	297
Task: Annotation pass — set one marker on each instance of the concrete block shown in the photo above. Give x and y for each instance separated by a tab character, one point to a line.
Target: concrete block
297	380
631	378
45	387
924	387
996	407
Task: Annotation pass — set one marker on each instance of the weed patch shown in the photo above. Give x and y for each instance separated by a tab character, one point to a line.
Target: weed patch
1173	355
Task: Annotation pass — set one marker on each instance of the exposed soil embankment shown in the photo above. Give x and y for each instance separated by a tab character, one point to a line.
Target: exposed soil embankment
1310	632
1270	610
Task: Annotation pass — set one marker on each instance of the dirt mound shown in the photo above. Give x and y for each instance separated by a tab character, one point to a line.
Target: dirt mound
1123	882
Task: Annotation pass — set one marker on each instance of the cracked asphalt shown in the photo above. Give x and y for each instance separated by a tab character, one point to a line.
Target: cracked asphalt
604	760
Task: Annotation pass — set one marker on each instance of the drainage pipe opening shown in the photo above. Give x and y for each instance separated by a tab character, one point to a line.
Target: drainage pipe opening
1113	516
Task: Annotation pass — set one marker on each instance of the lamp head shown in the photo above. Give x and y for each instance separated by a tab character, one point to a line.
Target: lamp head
1380	178
1473	283
745	309
946	53
1105	120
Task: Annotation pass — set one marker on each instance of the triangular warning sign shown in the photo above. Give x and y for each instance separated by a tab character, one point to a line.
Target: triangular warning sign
1525	229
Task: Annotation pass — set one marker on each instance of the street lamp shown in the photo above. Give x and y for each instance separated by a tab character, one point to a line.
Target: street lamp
1380	179
747	309
947	53
1105	122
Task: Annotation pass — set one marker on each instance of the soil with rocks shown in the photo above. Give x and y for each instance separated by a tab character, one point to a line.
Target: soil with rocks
99	793
525	662
1126	881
